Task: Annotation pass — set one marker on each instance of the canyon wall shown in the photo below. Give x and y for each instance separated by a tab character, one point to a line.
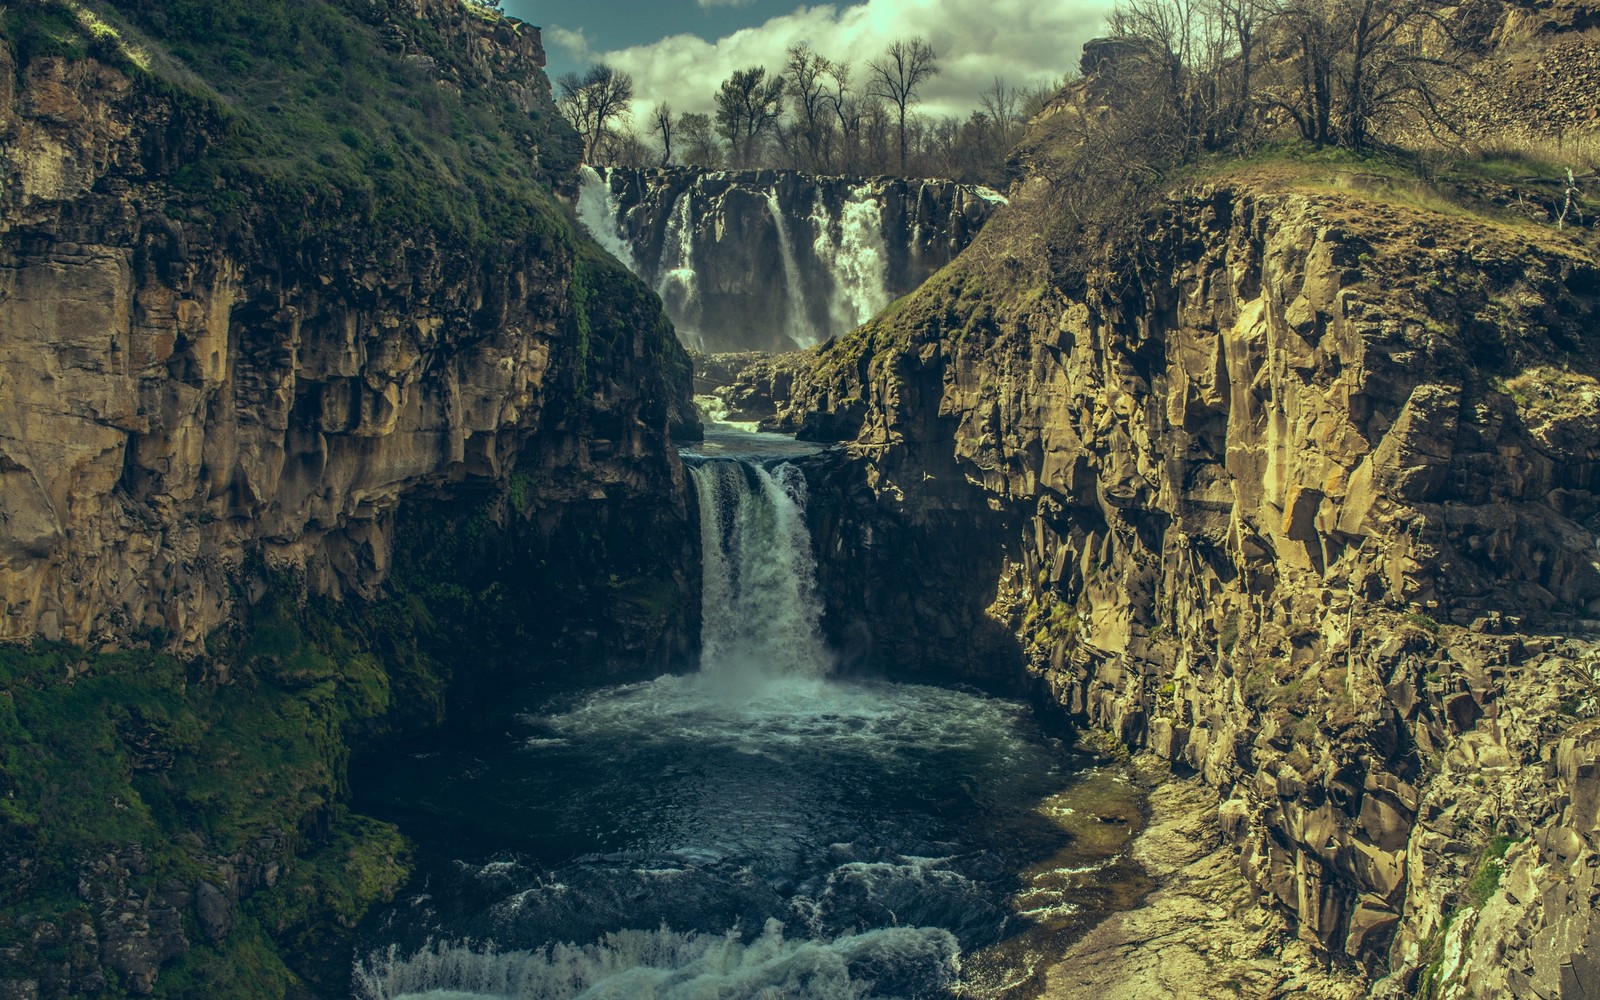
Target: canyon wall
316	416
187	393
773	260
1293	494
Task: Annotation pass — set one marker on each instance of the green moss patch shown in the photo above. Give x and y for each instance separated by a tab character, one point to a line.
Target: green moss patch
128	754
323	117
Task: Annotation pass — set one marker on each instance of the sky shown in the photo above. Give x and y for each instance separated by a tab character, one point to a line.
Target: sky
678	51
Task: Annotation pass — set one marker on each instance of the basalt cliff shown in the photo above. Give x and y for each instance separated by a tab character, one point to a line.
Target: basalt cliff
301	391
1291	486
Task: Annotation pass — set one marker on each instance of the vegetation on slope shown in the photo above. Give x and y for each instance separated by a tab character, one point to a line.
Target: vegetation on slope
332	108
130	779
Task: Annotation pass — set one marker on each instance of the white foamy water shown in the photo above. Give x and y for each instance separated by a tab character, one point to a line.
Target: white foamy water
856	256
797	324
678	283
665	965
775	716
598	211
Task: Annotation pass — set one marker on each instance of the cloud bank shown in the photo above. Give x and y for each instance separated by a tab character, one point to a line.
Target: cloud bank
1025	41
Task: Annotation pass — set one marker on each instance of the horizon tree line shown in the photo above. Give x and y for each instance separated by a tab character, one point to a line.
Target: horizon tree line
816	115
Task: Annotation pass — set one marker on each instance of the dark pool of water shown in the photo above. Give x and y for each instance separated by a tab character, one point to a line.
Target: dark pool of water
718	837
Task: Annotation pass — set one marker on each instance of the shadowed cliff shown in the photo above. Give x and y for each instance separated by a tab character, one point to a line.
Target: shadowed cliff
1285	472
315	397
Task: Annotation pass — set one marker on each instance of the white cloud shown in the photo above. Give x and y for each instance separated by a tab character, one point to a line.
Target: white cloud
1025	41
722	3
574	43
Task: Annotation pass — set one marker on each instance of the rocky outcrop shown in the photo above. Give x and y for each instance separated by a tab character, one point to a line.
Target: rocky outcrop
1273	498
186	394
1514	914
327	431
772	260
1203	934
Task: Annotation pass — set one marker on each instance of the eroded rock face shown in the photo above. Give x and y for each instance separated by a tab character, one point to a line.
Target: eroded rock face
183	397
1263	503
218	398
773	260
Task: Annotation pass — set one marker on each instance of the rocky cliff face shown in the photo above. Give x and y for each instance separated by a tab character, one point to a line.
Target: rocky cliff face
317	422
186	393
772	260
1279	497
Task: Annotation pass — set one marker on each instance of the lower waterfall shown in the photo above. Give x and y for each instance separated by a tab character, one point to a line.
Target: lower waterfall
760	613
752	829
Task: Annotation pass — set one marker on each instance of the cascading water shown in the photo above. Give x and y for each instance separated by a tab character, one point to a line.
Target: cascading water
857	258
797	323
704	240
753	829
760	613
678	283
599	212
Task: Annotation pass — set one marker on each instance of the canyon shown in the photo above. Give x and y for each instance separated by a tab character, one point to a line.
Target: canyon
1288	489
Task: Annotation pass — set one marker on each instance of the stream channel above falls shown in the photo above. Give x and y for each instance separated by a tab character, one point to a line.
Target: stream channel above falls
754	829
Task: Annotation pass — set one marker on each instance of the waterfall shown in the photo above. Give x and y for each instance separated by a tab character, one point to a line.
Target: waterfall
760	611
703	241
678	283
857	257
797	317
600	214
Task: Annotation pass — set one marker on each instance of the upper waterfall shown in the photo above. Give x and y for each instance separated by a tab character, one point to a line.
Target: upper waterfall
775	260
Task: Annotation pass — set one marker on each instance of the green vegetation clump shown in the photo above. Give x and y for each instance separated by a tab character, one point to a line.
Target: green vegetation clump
103	753
1491	866
1229	636
1423	621
1049	624
1479	889
304	115
611	307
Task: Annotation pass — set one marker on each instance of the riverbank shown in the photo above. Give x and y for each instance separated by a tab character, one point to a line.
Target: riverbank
1201	933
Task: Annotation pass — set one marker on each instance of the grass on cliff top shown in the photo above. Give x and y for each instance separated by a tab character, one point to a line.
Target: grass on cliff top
323	112
1454	186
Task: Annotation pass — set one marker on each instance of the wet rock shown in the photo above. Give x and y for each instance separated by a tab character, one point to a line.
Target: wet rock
1201	933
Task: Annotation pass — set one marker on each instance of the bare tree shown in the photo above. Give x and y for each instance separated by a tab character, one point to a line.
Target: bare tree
661	123
1357	63
748	108
698	140
1244	18
1185	55
592	102
623	148
875	125
846	108
808	86
895	78
1001	104
1036	98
